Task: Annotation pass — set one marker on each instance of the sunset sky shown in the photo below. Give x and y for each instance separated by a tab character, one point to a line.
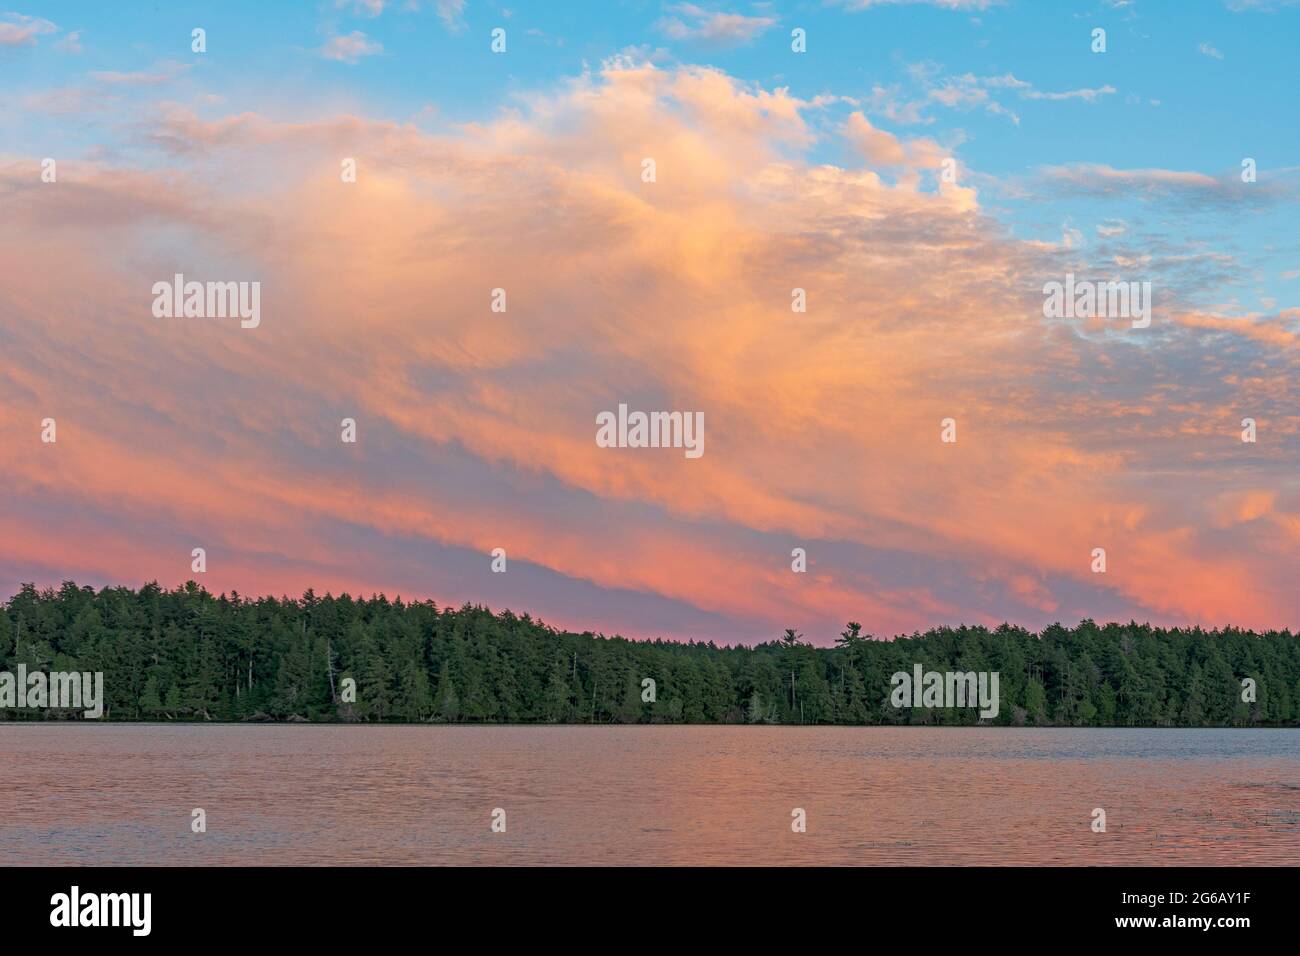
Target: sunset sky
775	170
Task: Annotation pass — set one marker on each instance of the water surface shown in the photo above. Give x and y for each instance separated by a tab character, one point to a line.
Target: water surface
274	794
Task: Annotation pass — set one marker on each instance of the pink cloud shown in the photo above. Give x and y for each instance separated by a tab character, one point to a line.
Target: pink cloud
17	29
477	427
712	26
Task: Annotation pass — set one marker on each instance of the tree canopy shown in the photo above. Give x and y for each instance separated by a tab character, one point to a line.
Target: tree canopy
186	654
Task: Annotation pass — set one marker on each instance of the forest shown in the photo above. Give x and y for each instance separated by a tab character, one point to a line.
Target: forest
189	655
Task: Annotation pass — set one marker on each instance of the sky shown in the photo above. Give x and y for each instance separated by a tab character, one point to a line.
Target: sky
921	169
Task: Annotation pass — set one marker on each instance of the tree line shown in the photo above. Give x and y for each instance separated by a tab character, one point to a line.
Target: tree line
186	654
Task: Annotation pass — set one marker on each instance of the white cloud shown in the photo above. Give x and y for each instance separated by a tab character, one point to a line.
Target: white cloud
17	29
452	13
946	4
70	43
1088	95
711	26
351	48
161	73
370	8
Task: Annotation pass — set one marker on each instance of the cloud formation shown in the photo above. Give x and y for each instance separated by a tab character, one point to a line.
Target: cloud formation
17	29
350	48
476	428
692	22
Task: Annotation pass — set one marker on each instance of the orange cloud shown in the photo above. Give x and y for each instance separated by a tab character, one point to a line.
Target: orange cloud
477	427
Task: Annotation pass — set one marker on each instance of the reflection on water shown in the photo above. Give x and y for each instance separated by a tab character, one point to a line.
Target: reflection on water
123	794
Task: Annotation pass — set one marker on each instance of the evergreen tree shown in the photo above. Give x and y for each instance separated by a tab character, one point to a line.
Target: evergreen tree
184	654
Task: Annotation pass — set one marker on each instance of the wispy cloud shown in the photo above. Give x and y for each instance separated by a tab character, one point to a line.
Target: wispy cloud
1189	188
369	8
968	91
712	26
350	48
452	13
17	29
1259	6
70	43
946	4
1085	94
162	73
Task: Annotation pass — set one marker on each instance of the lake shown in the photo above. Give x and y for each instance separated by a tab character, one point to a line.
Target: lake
298	794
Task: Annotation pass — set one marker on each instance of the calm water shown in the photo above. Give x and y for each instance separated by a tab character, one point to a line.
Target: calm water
122	794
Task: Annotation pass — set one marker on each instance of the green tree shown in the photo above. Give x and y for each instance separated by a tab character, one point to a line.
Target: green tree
448	699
